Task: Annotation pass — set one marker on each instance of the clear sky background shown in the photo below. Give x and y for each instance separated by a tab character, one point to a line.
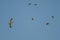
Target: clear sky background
23	27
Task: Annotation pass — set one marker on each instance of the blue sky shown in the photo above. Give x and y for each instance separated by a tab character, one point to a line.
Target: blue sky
23	27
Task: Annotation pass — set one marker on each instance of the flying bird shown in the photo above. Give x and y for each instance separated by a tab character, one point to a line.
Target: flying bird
29	3
32	18
11	22
52	16
35	4
47	23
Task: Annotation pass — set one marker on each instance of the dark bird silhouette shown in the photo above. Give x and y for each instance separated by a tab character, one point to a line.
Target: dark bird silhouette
35	4
29	3
32	18
11	22
52	16
47	23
